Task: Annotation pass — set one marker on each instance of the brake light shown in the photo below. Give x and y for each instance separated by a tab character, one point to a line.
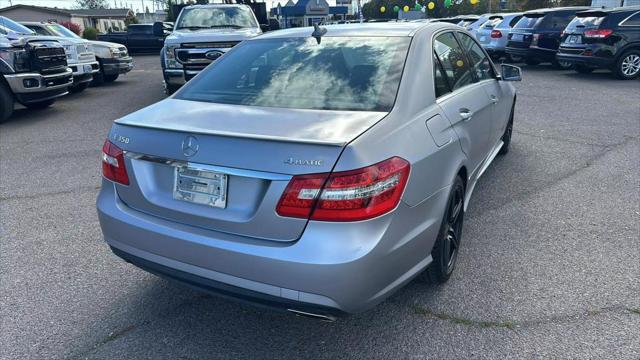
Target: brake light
348	195
535	39
113	163
496	34
598	33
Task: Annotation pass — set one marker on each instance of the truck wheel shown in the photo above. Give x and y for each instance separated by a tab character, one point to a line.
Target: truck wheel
98	78
40	104
110	78
6	103
79	88
628	65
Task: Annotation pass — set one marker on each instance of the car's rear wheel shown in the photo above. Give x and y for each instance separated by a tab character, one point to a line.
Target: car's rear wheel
628	65
515	58
445	250
583	69
506	136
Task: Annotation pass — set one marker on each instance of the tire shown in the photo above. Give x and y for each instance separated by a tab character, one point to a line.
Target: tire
40	104
561	65
627	66
445	250
532	62
582	69
111	78
79	88
506	136
6	103
170	89
98	78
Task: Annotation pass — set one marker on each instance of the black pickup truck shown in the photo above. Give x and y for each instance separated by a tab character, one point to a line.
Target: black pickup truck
139	37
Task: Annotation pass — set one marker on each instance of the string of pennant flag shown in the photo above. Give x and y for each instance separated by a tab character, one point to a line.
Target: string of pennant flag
418	7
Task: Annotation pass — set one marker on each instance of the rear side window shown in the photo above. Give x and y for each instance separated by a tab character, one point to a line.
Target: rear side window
440	78
480	63
528	22
508	23
39	30
633	21
453	60
140	29
556	20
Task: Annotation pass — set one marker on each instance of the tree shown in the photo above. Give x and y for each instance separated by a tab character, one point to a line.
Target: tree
92	4
71	26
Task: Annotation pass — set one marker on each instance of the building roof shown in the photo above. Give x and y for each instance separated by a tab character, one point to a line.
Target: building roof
69	12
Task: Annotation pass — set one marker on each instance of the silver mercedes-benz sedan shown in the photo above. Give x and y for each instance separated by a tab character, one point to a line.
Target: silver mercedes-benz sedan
312	170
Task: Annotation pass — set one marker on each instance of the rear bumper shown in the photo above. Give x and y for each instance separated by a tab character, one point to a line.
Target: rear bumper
591	61
117	66
334	268
533	52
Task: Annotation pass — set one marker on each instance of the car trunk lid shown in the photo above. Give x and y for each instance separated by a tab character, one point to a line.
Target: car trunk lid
256	150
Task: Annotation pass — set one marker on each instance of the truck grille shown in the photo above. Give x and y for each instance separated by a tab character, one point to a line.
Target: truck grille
47	59
196	56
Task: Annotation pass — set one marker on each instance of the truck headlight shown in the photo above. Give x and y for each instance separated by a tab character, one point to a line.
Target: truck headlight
115	53
170	61
16	58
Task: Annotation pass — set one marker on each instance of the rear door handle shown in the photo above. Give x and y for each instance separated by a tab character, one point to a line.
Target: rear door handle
494	99
466	114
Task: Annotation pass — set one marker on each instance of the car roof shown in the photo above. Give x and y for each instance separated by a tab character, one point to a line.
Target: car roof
626	9
548	10
397	29
213	5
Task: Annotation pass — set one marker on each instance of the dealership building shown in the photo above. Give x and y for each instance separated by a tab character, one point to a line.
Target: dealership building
307	13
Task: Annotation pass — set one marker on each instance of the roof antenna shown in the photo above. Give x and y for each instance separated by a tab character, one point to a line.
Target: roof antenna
318	32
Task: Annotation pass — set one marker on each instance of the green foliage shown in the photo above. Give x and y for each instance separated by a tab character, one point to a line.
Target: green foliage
90	33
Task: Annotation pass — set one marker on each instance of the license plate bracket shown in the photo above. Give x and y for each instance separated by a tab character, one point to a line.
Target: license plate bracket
200	186
517	37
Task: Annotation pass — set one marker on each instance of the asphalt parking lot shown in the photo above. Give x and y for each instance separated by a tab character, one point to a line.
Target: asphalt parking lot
550	265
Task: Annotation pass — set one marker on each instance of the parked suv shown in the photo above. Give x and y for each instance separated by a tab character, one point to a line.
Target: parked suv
202	34
604	38
33	71
113	58
536	37
494	33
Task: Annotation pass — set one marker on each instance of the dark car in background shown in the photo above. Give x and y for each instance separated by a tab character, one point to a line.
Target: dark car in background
139	37
536	37
604	38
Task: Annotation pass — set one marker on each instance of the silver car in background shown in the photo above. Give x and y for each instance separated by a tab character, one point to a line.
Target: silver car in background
473	26
493	35
312	170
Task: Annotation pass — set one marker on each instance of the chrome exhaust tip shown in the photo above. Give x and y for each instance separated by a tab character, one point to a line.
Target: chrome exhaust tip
309	315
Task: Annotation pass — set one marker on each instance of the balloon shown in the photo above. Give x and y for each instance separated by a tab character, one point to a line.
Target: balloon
474	2
418	7
447	3
383	9
405	8
431	5
459	63
396	8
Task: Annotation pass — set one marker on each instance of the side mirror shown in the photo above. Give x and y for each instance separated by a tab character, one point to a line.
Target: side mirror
510	73
264	27
158	28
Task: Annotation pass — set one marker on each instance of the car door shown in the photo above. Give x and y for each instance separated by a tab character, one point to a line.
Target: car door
484	71
466	105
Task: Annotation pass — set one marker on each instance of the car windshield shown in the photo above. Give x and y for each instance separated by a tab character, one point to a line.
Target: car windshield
7	26
60	30
227	16
339	73
528	22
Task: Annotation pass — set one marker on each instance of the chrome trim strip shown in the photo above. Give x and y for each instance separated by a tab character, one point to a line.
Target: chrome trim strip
197	166
627	18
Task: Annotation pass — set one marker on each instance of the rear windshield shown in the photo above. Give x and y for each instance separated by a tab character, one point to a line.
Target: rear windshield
491	23
556	20
528	22
588	22
340	73
508	23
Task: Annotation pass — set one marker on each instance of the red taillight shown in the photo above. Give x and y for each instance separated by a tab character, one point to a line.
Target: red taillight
113	163
496	34
346	196
598	33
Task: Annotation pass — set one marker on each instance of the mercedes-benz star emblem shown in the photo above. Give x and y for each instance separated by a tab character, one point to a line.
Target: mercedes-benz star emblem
190	146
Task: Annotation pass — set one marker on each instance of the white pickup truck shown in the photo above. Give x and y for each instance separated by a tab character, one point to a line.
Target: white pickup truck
203	33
